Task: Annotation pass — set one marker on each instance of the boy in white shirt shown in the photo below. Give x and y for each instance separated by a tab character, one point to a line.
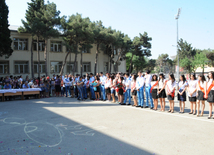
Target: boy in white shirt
128	89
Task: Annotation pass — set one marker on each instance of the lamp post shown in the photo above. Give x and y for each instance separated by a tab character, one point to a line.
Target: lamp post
176	18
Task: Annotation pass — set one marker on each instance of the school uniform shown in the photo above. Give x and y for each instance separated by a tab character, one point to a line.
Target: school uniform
210	98
133	88
170	86
107	86
192	86
200	96
154	91
127	83
161	83
181	86
148	87
140	82
92	88
102	87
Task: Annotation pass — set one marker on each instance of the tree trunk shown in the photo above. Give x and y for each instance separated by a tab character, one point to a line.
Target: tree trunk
203	70
110	66
95	65
38	56
130	65
63	65
45	57
81	64
32	67
75	60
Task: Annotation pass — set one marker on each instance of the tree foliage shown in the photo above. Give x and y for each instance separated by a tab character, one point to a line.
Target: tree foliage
5	41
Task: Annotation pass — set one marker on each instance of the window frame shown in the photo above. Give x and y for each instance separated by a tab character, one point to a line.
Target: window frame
55	43
3	66
27	64
83	64
58	68
72	62
18	41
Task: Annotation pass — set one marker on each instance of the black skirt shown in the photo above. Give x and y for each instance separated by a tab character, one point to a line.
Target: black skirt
200	96
154	93
108	91
88	89
182	97
98	89
192	99
162	94
134	92
57	88
170	97
120	92
211	97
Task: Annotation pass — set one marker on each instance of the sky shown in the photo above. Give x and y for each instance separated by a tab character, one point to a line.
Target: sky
156	17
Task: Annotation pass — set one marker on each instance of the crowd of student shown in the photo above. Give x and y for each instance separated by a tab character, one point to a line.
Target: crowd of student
124	86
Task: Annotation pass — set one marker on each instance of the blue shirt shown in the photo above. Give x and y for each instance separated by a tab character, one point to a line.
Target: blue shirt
7	86
24	86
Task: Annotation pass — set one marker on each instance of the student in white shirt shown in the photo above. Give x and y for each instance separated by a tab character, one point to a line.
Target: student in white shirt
171	84
148	87
91	86
201	91
154	91
102	83
161	91
210	92
107	86
192	88
140	82
127	90
182	86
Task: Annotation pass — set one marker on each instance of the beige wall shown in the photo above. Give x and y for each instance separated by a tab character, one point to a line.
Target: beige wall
19	55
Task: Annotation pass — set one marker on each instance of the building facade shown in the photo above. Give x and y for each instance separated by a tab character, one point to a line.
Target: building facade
19	63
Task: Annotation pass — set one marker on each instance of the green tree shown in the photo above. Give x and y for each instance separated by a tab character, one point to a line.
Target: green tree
210	55
49	19
188	65
5	41
32	25
200	60
141	46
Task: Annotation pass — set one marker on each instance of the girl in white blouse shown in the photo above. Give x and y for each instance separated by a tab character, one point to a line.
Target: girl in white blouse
171	84
201	92
182	86
161	91
154	90
192	87
210	92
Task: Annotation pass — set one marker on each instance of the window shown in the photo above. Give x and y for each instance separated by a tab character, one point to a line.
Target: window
105	67
21	67
86	66
4	67
41	45
41	69
70	67
56	67
56	46
20	44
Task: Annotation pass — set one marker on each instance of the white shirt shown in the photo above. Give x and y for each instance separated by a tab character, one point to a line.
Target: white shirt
103	80
209	83
152	83
148	80
182	84
114	83
66	81
128	83
192	87
108	83
140	82
161	83
201	84
21	79
170	85
91	80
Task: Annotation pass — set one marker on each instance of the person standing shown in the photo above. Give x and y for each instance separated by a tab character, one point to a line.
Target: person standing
154	90
171	84
91	86
80	88
192	88
201	92
210	93
113	85
97	88
140	82
107	86
148	87
162	92
182	86
57	86
102	83
67	86
84	87
133	89
128	89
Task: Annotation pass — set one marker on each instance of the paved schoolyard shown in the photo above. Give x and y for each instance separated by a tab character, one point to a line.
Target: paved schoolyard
66	126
